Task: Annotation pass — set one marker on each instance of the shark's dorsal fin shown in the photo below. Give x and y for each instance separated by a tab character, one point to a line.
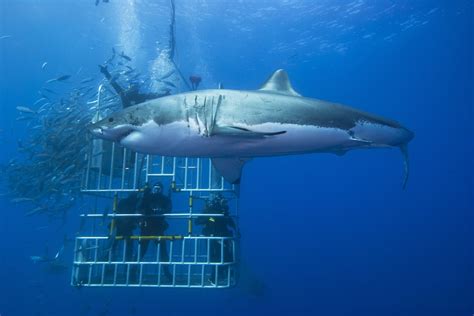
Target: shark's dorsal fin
279	83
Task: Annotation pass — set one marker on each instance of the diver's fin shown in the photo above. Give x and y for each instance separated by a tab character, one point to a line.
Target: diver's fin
279	83
242	132
406	163
229	168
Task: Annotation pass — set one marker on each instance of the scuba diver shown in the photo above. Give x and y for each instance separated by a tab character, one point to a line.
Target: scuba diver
218	226
153	204
195	81
124	226
132	95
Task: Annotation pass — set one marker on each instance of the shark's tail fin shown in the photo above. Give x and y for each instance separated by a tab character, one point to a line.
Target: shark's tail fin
406	163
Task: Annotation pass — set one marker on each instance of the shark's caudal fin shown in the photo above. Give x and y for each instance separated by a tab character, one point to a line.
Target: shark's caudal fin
406	162
229	168
279	83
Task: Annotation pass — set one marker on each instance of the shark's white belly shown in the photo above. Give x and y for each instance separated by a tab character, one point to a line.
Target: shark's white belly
179	139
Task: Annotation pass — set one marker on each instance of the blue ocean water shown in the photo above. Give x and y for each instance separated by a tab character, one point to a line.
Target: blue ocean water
326	235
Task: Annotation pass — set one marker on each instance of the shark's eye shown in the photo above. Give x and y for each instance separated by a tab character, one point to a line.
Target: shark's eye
111	119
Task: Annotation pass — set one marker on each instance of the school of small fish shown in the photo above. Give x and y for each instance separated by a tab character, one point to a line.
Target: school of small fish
47	172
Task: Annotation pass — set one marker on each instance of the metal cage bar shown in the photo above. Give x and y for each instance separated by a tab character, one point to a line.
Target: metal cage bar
191	262
118	271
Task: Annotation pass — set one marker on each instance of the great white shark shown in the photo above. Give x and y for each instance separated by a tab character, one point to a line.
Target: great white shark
232	126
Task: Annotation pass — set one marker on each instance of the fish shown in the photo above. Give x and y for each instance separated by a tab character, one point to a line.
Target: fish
60	78
36	210
111	58
24	118
19	200
169	83
125	57
98	1
168	74
43	66
54	145
40	100
47	172
63	77
86	80
5	37
128	72
44	96
49	91
45	258
69	168
25	109
234	126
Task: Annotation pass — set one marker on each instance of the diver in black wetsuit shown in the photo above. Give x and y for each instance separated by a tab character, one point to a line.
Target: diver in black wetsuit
153	203
125	225
132	95
218	226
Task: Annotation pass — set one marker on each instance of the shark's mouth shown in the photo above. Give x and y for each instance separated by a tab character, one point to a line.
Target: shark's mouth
114	134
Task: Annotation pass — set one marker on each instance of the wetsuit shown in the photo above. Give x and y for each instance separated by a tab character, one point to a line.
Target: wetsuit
125	225
155	204
218	227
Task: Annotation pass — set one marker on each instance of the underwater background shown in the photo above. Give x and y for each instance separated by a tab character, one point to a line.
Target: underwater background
325	235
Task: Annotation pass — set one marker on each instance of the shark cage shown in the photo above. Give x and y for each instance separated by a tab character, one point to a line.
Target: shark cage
154	221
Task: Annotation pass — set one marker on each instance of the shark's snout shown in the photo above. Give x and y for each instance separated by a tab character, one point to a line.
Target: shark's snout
95	129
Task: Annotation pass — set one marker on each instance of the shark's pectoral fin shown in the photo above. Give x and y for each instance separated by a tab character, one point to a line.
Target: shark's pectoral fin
229	168
406	162
242	132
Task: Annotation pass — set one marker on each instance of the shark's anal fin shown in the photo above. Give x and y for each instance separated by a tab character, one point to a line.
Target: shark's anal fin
229	168
406	163
242	132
